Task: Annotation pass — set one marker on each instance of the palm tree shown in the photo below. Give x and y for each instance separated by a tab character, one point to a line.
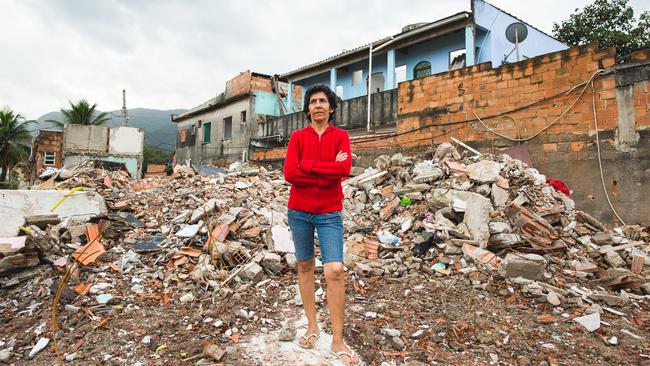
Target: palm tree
81	113
13	130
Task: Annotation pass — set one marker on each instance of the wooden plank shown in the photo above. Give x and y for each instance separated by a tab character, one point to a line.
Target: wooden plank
637	264
620	247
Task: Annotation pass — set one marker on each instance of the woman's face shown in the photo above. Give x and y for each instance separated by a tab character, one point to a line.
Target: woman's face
319	107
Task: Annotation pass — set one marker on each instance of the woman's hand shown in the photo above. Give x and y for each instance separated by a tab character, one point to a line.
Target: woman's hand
341	156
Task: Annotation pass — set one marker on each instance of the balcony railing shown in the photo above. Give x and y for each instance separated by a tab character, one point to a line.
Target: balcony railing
350	114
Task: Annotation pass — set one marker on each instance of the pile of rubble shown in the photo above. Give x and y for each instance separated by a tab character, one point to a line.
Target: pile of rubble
443	213
209	230
447	213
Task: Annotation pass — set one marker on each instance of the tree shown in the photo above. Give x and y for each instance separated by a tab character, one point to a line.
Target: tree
13	130
82	113
611	23
155	155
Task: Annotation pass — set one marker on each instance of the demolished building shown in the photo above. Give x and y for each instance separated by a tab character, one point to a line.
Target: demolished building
77	143
221	128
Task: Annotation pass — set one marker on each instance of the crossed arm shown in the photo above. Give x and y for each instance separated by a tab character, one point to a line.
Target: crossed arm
340	168
309	172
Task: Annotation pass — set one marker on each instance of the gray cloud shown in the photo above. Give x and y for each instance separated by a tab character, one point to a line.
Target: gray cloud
176	54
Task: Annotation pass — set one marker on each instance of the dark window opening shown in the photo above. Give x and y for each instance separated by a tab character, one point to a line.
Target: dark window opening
422	69
227	128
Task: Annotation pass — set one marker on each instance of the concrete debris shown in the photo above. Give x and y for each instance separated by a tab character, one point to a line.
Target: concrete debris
485	171
212	243
530	266
39	346
19	204
590	322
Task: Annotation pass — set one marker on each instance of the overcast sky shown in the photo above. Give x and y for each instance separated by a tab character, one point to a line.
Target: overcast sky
177	54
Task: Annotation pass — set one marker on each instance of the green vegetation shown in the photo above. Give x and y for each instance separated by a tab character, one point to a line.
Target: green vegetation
13	132
611	23
154	155
82	113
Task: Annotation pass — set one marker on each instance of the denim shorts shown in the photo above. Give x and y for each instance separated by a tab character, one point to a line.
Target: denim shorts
329	227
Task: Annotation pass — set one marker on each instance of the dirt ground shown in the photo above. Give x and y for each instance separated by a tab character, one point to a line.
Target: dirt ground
464	321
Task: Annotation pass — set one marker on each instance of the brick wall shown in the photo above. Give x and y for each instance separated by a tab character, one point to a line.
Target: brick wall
520	99
240	84
245	83
261	83
50	141
517	100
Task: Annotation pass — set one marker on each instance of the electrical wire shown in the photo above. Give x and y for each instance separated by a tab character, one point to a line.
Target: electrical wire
519	139
600	162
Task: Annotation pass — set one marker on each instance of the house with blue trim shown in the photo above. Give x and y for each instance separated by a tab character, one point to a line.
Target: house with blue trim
419	50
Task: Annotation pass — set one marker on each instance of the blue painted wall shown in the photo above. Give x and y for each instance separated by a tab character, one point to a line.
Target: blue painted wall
489	38
435	51
496	45
131	163
268	103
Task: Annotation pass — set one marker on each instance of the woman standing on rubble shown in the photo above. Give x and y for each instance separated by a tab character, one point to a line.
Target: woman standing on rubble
318	158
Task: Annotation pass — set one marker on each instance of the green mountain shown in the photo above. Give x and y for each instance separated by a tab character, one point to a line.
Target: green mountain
159	131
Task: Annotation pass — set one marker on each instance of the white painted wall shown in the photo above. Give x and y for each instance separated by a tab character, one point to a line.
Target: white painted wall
16	204
126	140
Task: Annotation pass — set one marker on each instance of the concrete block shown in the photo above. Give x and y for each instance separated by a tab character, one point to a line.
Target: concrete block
252	272
530	266
126	140
85	138
17	204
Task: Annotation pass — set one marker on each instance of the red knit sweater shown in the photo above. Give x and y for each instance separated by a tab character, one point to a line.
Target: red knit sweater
314	175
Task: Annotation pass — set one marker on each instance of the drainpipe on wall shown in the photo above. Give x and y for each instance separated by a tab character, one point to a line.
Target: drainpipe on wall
370	51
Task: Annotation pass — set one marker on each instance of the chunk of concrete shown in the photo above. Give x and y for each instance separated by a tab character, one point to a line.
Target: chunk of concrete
445	149
188	231
505	240
485	171
553	298
282	240
499	196
477	213
530	266
18	204
590	322
427	171
203	210
272	262
498	227
252	272
614	260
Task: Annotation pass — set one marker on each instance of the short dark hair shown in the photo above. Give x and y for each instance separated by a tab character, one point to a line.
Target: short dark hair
332	98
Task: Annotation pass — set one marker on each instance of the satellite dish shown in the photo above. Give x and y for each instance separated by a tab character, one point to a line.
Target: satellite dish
516	32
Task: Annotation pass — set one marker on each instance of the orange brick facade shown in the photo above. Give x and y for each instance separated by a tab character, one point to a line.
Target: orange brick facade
516	100
51	142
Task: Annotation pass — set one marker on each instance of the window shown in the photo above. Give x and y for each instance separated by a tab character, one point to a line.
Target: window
457	59
207	132
377	82
339	91
242	116
193	130
400	74
357	77
183	136
227	128
422	69
50	158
